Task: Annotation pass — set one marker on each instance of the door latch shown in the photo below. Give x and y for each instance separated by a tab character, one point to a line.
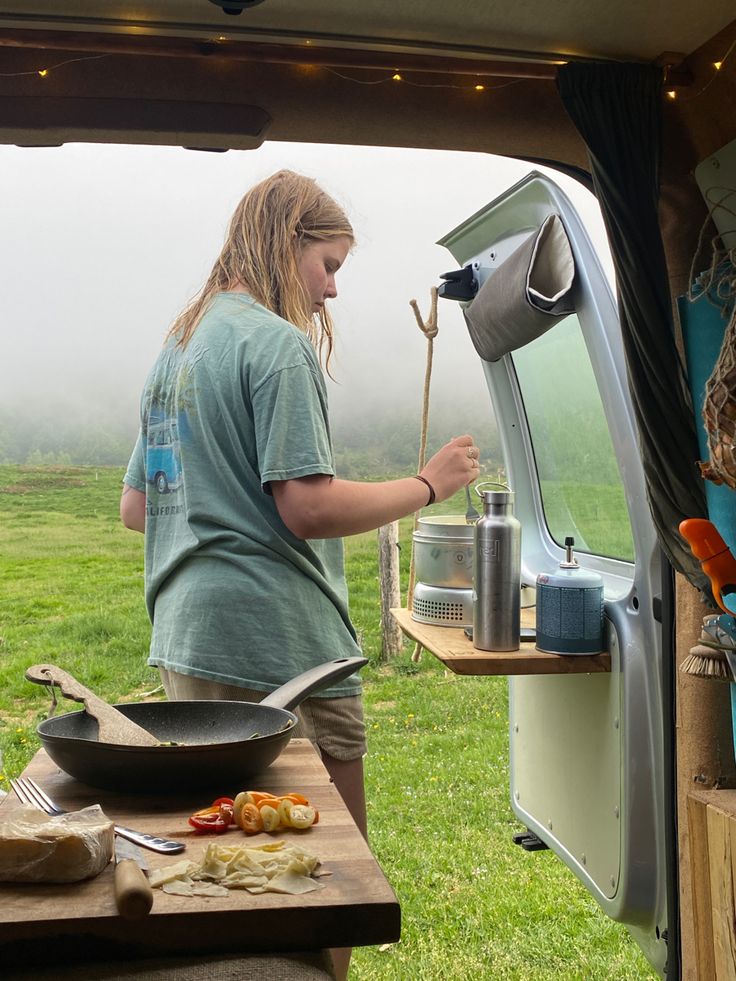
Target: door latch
460	284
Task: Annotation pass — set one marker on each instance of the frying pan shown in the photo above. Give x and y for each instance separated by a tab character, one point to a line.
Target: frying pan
220	742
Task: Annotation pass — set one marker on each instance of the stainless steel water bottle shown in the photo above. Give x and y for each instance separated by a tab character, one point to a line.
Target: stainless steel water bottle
497	574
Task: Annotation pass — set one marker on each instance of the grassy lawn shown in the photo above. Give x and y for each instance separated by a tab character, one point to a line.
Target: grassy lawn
474	905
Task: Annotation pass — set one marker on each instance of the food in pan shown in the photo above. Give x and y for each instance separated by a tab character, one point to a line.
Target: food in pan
37	848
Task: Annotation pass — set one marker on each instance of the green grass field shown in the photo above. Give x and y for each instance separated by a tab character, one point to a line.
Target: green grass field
474	905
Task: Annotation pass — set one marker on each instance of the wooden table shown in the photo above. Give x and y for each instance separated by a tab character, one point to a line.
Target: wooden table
451	646
357	907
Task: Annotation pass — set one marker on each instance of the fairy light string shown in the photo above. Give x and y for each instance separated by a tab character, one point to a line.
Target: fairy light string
394	77
718	67
47	70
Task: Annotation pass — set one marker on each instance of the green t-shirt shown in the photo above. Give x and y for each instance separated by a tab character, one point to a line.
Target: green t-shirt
232	594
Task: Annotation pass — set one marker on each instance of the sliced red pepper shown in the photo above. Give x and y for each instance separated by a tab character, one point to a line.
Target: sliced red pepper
211	823
214	819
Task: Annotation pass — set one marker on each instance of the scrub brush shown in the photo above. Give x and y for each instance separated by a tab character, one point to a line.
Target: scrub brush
712	655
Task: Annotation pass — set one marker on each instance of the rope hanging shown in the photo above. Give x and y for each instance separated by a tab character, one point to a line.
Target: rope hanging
429	329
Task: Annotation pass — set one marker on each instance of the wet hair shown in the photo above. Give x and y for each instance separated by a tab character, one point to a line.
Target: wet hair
273	220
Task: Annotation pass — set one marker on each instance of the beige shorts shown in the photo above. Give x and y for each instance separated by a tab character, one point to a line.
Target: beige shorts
335	725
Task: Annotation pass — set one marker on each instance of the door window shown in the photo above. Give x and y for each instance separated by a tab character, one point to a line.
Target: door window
582	493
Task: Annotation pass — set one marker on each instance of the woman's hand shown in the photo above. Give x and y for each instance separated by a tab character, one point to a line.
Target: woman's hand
452	467
321	506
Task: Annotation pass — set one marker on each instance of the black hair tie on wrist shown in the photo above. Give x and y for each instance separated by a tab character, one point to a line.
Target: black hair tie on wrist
424	480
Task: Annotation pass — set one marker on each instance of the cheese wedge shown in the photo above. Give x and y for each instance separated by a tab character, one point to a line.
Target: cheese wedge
37	848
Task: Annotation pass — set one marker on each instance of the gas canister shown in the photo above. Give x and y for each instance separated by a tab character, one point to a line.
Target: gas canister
570	608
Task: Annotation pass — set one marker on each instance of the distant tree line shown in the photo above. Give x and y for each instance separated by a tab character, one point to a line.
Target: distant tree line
63	438
365	448
388	443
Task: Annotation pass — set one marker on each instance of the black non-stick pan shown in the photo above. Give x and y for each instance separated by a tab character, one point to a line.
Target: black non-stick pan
217	743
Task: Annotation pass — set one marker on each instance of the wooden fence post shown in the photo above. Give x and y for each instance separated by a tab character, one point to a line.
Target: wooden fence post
388	574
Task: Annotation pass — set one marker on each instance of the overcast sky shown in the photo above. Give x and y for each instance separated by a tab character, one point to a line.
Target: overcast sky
101	246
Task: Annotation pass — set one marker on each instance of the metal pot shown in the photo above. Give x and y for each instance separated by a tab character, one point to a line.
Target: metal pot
443	551
220	743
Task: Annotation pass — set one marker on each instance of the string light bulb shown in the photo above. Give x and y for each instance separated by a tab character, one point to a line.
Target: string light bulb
43	72
671	94
717	65
479	87
396	77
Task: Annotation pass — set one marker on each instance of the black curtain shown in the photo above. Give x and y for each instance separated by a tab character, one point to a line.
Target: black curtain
617	110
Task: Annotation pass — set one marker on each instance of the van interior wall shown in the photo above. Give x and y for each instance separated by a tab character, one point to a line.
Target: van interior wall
696	124
511	117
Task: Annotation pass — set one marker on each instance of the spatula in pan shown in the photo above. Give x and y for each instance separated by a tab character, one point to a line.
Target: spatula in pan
114	727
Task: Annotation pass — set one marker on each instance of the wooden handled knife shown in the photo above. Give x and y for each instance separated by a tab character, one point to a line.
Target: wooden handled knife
133	893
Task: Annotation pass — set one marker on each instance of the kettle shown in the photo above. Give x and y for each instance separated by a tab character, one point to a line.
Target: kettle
570	608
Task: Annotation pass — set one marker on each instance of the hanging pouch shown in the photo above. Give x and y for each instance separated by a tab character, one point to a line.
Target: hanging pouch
526	295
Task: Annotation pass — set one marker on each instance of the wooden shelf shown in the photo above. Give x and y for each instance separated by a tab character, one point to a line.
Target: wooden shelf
453	648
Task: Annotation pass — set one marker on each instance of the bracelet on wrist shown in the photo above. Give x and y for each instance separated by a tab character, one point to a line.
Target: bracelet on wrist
424	480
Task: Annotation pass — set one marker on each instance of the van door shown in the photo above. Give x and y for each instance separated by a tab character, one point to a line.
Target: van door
589	756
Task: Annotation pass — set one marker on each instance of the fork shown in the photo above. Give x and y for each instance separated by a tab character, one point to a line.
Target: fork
471	515
29	792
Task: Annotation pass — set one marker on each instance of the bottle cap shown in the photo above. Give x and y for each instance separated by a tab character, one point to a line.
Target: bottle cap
498	497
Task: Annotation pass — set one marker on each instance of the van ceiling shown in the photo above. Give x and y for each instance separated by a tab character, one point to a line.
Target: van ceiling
535	29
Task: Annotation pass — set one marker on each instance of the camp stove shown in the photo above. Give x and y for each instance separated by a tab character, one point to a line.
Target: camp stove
442	605
443	555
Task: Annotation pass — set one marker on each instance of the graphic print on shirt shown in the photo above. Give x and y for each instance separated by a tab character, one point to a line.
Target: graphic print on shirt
165	425
163	456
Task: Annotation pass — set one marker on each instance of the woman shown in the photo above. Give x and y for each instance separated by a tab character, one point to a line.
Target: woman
233	479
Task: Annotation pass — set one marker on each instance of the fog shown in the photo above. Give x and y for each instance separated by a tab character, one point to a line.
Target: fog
101	246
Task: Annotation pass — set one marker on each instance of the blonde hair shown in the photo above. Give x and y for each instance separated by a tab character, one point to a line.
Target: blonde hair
270	224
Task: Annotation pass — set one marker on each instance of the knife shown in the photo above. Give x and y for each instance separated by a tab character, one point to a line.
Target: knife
133	894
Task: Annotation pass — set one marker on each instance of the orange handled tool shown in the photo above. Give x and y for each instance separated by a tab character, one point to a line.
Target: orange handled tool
715	559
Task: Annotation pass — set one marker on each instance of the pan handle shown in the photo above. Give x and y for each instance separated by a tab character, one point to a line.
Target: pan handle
288	696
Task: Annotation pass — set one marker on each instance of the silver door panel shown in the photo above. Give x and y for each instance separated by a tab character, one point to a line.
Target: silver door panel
586	750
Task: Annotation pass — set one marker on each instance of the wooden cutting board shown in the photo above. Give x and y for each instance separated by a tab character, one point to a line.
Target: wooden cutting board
357	907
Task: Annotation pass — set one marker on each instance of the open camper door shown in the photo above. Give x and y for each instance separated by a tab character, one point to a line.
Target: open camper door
590	756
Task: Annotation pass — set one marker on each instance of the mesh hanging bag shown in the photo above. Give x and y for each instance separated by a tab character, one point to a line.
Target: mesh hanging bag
719	412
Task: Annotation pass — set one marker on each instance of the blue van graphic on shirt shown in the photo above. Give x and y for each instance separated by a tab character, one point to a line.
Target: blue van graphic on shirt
163	459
